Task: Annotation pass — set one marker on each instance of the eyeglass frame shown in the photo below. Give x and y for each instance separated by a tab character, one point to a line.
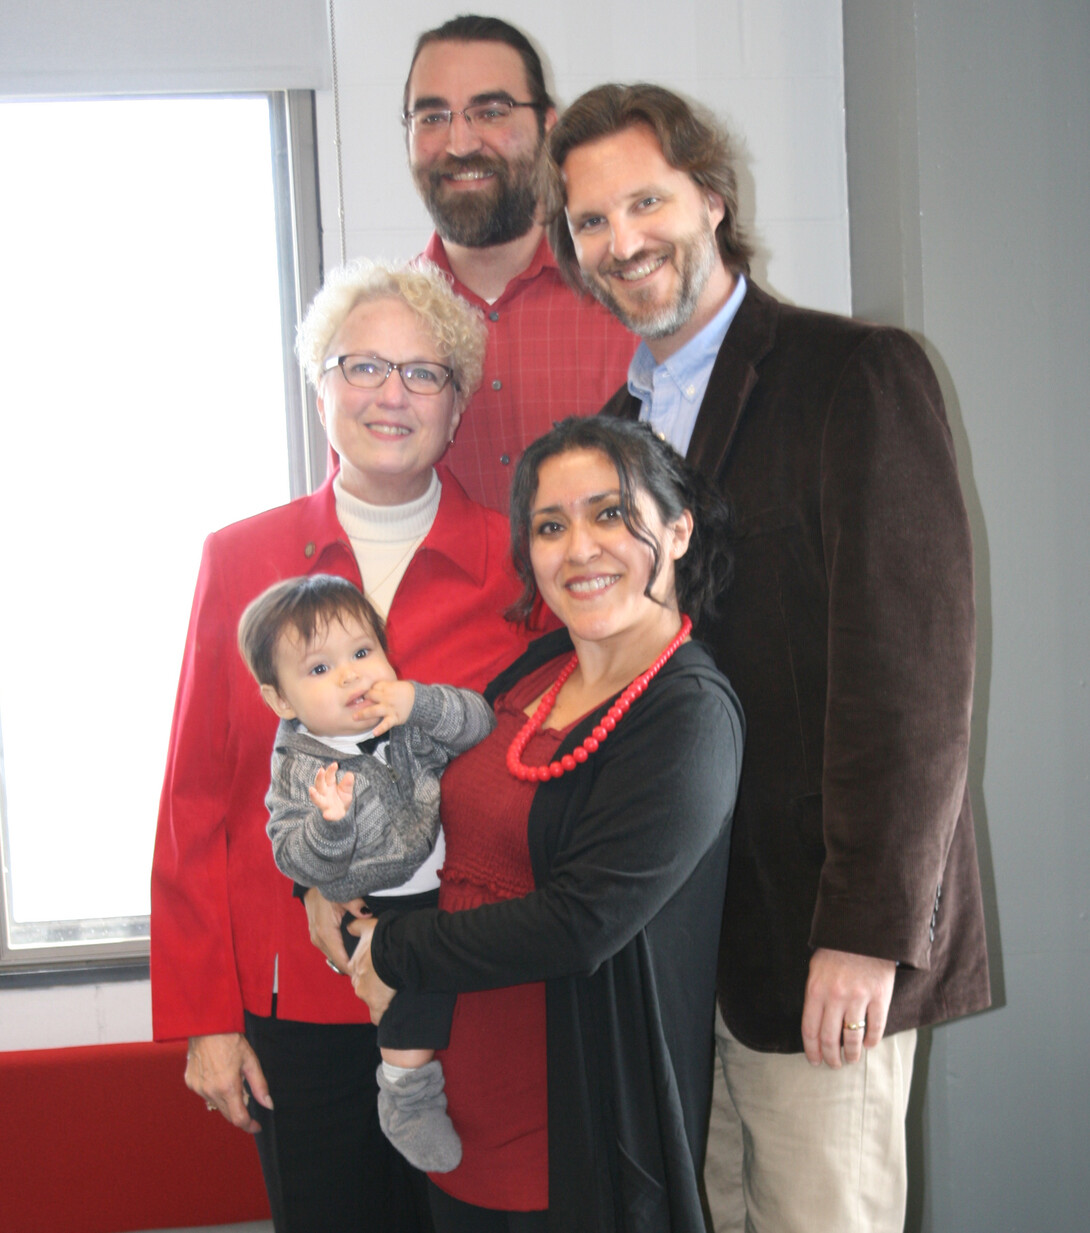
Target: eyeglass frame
409	118
337	361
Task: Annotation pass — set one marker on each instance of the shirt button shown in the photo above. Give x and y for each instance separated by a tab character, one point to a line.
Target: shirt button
505	459
493	315
497	384
309	550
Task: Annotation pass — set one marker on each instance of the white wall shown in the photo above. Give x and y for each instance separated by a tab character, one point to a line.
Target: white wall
57	47
771	69
75	1015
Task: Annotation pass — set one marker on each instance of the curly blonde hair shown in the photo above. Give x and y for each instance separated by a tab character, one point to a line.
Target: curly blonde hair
457	327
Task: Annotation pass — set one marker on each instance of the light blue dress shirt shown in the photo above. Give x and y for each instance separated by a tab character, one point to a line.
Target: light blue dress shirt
671	392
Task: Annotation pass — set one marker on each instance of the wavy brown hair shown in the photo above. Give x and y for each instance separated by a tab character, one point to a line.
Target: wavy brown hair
691	142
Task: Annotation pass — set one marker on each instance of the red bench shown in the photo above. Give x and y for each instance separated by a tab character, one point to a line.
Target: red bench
107	1139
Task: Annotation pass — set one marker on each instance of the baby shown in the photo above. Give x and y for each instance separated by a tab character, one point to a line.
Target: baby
318	650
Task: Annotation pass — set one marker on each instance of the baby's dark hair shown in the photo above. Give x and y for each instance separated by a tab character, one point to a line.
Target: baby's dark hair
644	461
307	605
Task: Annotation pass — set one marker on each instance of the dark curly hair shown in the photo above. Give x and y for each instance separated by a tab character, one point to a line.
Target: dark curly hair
645	463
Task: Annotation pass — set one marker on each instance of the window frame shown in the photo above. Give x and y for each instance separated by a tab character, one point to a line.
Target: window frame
65	952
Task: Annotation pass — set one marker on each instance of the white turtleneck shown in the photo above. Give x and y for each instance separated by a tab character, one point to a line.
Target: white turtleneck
384	537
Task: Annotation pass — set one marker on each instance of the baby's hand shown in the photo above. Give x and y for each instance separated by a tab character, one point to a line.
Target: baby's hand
388	703
331	797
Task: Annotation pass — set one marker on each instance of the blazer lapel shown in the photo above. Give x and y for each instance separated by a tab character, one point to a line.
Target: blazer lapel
733	378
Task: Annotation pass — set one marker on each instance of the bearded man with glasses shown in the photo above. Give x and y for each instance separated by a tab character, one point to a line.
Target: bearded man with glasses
476	115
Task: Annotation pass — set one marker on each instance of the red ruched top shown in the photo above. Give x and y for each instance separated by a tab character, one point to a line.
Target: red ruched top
495	1065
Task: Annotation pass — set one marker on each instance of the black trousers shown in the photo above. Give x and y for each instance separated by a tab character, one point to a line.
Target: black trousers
453	1216
413	1020
328	1167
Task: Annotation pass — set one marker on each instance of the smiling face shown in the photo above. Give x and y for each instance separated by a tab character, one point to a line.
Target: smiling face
480	185
388	439
589	567
322	682
644	237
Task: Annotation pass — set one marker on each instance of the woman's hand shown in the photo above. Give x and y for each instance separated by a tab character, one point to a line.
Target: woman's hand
324	919
215	1068
368	986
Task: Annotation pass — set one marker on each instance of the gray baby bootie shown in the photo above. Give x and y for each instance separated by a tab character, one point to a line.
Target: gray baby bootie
412	1112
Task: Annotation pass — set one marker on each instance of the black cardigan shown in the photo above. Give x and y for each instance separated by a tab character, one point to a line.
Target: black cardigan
629	854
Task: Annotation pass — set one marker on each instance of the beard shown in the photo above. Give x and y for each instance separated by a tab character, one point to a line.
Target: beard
504	211
694	256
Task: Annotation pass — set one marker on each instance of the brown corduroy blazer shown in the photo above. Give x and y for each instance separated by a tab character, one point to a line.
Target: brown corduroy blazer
848	633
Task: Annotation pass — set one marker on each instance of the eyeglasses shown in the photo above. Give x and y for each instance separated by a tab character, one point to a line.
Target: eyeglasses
368	372
481	115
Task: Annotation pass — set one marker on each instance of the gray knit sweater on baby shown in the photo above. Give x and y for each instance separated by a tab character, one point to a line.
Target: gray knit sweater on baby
392	824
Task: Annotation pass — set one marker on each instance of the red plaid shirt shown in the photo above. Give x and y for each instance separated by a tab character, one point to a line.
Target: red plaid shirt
550	354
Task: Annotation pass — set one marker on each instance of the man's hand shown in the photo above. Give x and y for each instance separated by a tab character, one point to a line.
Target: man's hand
388	703
843	993
332	798
215	1068
324	919
365	981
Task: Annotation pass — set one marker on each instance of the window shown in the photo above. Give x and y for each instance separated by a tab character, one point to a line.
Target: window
156	252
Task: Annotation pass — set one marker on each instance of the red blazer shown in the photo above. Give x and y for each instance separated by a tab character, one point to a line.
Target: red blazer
224	924
848	634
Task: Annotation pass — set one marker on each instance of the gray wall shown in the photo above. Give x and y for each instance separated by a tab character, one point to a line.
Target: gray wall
968	138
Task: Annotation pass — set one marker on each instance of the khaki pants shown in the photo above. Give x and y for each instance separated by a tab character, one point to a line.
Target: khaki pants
795	1148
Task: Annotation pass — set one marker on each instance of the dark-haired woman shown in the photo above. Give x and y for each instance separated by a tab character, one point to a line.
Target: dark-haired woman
587	844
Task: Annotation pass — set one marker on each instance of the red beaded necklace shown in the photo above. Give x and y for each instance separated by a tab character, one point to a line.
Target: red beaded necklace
609	720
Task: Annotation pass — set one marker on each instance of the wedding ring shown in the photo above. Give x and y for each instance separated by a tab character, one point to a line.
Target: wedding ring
856	1027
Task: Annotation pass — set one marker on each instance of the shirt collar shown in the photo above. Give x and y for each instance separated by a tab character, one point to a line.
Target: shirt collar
346	743
688	365
543	259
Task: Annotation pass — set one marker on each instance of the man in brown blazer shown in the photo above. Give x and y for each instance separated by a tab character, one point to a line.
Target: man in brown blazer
853	911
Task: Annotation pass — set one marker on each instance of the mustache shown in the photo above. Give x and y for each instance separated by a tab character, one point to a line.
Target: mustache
641	258
452	164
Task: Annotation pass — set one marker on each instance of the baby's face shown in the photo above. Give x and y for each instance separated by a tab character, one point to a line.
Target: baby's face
324	681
